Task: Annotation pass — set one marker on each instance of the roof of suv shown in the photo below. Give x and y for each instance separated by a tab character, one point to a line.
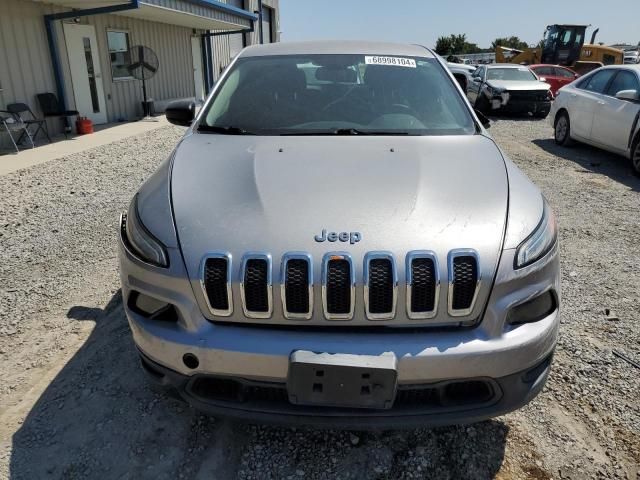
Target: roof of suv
336	47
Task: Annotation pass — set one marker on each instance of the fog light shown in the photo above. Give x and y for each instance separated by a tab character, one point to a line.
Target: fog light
533	310
151	308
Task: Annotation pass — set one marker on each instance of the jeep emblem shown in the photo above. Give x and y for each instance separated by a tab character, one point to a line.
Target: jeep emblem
351	237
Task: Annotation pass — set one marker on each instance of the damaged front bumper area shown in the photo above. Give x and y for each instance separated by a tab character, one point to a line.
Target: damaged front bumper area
521	102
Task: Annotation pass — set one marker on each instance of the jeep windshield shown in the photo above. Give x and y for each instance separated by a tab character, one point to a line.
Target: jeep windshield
337	95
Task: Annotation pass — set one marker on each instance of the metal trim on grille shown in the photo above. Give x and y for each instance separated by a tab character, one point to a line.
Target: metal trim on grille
462	252
257	256
283	281
216	311
416	254
369	256
325	261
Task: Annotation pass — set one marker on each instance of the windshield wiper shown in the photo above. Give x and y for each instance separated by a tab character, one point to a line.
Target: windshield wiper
229	130
349	131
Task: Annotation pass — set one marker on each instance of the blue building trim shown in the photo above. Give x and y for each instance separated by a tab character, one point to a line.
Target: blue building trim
223	7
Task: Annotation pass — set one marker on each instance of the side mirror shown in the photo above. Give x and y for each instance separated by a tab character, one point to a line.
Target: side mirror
630	95
543	79
181	112
486	123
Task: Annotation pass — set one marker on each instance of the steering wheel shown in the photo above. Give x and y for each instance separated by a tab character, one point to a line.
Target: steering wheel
346	99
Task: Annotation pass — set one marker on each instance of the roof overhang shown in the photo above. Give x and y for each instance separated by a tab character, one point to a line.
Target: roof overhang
199	14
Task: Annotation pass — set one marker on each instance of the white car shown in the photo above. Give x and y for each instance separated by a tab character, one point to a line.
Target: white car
602	109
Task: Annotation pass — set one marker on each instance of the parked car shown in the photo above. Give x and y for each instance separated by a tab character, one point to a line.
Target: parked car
508	88
602	109
631	57
554	75
355	252
460	71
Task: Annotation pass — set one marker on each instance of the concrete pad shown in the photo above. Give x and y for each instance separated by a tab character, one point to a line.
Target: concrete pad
62	147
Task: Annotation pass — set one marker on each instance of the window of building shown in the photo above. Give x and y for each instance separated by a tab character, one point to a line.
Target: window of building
118	42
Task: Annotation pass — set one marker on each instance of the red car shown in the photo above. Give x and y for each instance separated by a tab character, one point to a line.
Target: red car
555	76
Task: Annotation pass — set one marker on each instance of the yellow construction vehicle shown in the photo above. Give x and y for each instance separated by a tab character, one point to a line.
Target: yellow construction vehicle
564	45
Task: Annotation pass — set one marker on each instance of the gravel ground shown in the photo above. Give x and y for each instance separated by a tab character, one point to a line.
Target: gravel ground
74	403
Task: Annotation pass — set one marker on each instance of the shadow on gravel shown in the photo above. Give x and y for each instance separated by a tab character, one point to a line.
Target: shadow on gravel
99	419
594	160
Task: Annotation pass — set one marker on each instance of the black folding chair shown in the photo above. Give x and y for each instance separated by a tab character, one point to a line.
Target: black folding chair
20	109
11	124
51	108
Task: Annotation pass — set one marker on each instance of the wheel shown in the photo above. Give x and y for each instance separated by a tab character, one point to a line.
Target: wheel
635	156
562	130
542	114
482	104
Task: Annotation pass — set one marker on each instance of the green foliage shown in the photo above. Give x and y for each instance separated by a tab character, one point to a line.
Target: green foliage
455	44
509	42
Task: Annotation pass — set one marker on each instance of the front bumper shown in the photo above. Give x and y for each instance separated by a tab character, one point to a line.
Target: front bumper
520	106
419	405
501	356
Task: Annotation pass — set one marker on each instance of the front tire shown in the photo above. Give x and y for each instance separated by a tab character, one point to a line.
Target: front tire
482	104
635	156
562	130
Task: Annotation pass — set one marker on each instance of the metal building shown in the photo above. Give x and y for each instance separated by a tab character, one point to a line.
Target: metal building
77	49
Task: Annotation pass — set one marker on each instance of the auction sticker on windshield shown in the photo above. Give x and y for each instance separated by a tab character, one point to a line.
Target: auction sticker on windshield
392	61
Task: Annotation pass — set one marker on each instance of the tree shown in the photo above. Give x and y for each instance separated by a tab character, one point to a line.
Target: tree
509	42
455	44
443	45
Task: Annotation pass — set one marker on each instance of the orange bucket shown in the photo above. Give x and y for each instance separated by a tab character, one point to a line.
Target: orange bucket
84	126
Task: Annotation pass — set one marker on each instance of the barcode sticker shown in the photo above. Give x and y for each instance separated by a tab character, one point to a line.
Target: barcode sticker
391	61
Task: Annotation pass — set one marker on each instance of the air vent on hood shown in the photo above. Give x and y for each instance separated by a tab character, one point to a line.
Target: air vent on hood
423	285
380	287
338	286
297	286
464	282
256	287
216	278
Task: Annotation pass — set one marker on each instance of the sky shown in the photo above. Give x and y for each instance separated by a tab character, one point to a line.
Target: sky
423	21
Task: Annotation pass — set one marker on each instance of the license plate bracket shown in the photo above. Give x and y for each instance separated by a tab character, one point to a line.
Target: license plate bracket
342	380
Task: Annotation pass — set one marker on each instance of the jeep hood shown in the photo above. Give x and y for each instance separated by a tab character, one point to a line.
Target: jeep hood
274	194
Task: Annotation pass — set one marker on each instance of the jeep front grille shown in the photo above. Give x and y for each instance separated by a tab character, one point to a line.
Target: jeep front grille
256	287
378	280
380	286
297	286
338	286
463	282
423	285
216	278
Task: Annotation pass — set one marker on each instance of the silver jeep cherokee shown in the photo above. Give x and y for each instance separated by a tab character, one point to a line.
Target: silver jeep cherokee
337	240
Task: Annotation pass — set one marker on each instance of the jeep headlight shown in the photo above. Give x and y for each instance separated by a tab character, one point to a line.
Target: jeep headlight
540	242
141	241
